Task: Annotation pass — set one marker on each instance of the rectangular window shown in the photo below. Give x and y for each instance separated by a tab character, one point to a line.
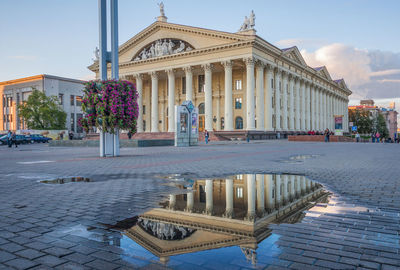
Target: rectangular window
183	85
61	98
144	125
201	83
222	123
144	109
72	98
273	102
238	85
72	123
239	192
272	83
280	86
238	103
78	100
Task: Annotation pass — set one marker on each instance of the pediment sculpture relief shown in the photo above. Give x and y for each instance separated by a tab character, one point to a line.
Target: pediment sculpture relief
163	47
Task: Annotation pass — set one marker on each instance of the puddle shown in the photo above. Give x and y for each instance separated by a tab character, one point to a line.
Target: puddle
297	159
66	180
224	220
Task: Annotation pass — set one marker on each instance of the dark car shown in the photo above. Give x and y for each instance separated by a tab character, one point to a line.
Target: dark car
3	139
39	138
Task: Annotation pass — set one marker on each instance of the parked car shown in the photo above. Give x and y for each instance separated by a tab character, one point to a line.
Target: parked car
3	139
39	138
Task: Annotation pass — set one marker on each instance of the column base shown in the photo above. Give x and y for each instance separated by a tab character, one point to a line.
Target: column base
209	211
251	216
229	213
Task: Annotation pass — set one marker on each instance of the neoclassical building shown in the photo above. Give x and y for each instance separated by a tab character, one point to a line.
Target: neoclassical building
239	81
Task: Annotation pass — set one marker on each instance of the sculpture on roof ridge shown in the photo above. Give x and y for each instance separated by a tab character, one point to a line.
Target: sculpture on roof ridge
249	22
161	5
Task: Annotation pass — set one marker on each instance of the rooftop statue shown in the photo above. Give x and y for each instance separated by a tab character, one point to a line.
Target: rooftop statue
161	5
249	22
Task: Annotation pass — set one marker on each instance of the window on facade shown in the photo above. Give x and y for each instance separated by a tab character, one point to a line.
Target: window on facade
273	102
201	108
239	123
238	103
202	194
11	118
183	85
280	86
239	192
272	83
72	123
201	83
239	176
222	123
78	100
238	84
144	125
144	109
273	193
61	99
72	98
9	102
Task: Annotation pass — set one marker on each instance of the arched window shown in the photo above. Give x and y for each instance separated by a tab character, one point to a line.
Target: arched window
201	108
238	122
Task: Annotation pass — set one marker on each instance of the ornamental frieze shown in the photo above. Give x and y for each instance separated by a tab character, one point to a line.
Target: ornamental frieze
163	47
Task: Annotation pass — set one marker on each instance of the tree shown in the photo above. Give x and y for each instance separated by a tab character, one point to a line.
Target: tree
42	112
362	120
381	126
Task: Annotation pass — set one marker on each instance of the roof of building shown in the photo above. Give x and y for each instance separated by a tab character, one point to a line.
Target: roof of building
39	77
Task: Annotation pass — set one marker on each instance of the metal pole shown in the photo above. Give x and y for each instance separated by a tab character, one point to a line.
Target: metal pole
114	60
103	57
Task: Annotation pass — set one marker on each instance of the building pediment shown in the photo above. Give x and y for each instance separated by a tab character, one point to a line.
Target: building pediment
323	72
161	39
294	54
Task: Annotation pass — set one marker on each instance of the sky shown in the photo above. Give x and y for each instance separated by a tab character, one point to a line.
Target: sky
358	40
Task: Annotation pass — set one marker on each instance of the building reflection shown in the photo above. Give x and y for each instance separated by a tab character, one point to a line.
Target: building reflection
232	211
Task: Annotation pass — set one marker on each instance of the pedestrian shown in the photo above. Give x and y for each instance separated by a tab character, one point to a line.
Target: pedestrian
129	135
357	137
14	140
326	133
9	138
248	137
206	136
62	135
377	135
373	137
71	135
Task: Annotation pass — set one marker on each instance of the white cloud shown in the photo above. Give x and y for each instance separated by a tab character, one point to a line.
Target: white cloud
368	74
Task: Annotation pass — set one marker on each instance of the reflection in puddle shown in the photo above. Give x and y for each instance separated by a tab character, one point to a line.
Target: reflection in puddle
222	217
298	158
66	180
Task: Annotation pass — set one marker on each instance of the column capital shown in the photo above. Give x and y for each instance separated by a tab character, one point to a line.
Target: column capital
260	64
170	71
207	67
154	74
188	69
269	67
138	76
227	63
249	61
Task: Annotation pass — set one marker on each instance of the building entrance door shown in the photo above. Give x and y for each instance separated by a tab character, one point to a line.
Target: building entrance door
201	123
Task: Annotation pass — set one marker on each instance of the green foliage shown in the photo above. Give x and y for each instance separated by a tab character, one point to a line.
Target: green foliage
42	112
361	119
381	126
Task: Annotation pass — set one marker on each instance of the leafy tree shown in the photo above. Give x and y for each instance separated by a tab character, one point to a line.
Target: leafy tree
381	126
42	112
362	120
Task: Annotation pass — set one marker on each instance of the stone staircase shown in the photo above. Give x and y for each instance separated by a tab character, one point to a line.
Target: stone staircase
138	136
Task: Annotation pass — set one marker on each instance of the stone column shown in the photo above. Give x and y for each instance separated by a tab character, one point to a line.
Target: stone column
260	96
270	187
291	102
250	93
171	100
172	201
208	106
154	101
308	185
285	101
285	180
292	187
209	198
189	83
139	88
268	98
278	86
251	197
260	195
278	194
228	96
303	107
190	201
229	210
308	106
317	109
298	186
321	109
298	109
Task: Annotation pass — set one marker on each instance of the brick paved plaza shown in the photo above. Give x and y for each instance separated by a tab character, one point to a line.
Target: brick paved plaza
47	226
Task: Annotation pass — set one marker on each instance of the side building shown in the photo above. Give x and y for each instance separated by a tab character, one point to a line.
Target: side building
240	82
14	92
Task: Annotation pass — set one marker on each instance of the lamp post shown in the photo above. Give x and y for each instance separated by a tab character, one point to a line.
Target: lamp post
109	143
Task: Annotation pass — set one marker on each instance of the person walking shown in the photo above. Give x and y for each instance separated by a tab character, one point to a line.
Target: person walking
206	136
377	135
357	137
326	133
129	135
248	137
14	140
9	138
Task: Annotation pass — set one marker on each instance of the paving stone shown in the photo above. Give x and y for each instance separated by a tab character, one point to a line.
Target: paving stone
50	260
333	265
72	266
30	254
21	264
11	247
6	256
57	251
79	258
100	264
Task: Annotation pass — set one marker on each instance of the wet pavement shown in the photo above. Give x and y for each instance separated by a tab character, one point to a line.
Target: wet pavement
95	225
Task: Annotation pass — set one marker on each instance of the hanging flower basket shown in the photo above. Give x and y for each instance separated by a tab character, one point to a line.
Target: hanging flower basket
110	105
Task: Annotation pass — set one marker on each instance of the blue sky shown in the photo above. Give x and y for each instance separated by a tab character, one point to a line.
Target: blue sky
58	36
